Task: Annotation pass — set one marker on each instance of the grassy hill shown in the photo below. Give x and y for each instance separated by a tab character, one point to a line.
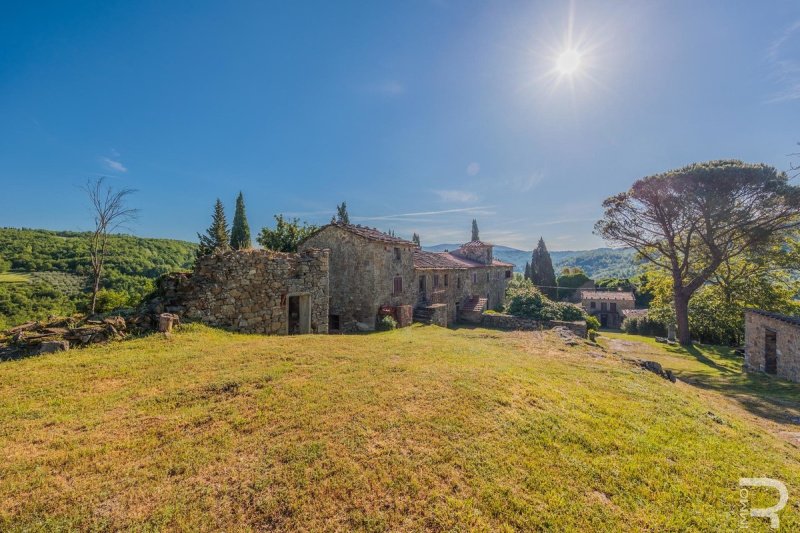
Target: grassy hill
46	272
420	428
598	263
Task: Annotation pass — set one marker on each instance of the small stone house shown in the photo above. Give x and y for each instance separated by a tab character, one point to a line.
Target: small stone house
369	270
607	306
772	343
374	273
252	291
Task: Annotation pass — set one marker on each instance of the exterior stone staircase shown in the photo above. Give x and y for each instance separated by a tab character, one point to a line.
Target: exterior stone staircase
423	315
472	309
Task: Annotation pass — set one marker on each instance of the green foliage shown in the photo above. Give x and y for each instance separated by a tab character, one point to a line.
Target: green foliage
475	233
542	273
240	231
569	280
286	236
592	324
644	325
217	237
5	264
109	300
57	265
386	323
415	239
342	216
527	301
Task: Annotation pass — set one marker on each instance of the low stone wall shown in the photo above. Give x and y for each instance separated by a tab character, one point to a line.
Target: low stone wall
501	321
250	291
439	314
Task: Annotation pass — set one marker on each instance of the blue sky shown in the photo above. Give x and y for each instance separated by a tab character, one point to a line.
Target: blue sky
420	114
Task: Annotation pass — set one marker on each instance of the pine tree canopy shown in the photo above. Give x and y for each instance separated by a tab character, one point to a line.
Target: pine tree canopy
240	232
216	237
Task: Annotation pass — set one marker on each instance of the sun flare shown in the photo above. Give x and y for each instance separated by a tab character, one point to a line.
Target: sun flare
568	62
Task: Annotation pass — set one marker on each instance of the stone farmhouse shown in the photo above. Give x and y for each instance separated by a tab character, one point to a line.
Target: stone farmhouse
607	306
373	273
772	343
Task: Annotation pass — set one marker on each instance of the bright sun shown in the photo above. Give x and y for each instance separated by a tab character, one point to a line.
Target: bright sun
568	62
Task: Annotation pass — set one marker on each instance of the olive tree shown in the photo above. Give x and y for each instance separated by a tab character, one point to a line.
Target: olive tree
691	220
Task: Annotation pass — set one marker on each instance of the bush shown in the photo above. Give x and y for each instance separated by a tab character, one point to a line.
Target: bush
386	323
592	324
527	301
108	300
644	325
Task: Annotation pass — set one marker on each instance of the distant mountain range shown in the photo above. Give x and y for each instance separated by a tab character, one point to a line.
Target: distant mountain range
598	263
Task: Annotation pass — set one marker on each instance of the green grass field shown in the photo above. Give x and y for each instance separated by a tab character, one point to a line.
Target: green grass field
13	277
417	429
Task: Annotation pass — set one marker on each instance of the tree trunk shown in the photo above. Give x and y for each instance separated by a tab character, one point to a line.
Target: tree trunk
682	318
95	290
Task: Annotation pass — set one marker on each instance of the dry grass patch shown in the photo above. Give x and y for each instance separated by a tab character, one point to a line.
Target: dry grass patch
420	428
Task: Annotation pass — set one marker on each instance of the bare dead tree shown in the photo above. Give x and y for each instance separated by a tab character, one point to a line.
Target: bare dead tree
110	214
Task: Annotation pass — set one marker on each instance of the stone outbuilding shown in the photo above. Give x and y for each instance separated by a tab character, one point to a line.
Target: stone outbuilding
252	291
772	343
369	271
607	306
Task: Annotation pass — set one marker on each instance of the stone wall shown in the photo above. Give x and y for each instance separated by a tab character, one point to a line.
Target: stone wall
502	321
787	335
250	290
362	273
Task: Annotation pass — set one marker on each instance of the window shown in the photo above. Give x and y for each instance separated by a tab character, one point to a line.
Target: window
474	277
458	282
422	283
333	323
613	307
487	276
603	306
397	255
592	305
398	285
445	280
436	281
508	274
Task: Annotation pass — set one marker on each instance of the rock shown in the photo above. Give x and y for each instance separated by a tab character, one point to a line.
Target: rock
662	340
52	347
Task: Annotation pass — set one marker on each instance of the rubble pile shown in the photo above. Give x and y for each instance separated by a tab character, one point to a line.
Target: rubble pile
62	333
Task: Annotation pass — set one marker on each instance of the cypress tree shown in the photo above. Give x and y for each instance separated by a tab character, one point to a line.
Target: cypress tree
217	236
415	239
527	270
342	216
542	273
475	230
240	232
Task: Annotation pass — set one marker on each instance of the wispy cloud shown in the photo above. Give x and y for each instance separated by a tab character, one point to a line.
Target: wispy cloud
473	169
113	164
477	210
524	183
457	196
385	88
781	56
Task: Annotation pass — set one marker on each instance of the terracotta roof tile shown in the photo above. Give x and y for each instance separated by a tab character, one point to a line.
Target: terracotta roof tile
444	260
607	295
372	234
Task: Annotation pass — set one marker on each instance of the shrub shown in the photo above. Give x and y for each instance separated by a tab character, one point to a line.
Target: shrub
386	323
108	300
592	324
527	301
644	325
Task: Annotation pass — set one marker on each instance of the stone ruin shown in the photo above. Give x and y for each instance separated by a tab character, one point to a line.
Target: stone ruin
251	291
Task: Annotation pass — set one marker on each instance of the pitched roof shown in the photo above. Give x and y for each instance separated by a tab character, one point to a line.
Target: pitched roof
475	244
447	260
628	313
371	234
794	320
607	295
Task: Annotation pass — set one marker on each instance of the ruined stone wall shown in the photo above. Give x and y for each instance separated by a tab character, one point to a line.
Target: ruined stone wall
516	323
362	275
788	344
248	290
